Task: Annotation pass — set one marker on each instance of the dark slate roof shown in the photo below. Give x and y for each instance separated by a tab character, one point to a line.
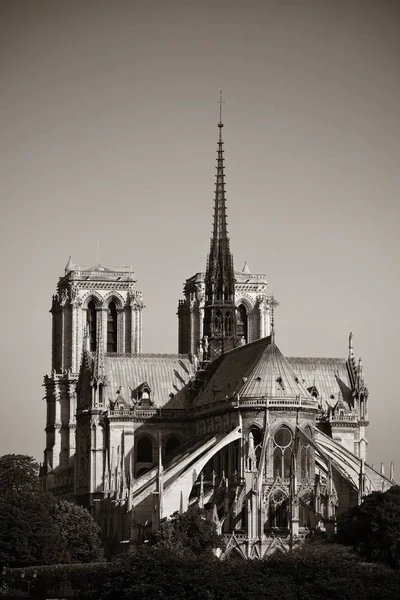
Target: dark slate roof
329	376
259	369
227	372
272	376
165	374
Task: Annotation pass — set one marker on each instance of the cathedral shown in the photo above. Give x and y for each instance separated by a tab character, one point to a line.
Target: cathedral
272	447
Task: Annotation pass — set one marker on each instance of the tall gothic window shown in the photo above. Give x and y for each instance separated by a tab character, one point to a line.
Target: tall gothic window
283	443
305	510
228	323
278	510
144	450
112	328
241	322
218	322
92	325
305	456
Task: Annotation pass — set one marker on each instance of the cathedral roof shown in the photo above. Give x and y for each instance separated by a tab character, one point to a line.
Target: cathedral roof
329	376
256	370
165	374
259	369
272	376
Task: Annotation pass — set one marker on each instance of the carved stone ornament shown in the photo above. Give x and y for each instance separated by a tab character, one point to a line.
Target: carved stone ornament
63	297
135	298
73	295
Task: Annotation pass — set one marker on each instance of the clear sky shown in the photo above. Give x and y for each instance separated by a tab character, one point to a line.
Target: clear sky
108	133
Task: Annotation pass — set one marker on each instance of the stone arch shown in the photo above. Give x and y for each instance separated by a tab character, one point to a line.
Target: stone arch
113	297
247	302
171	443
145	448
92	296
177	492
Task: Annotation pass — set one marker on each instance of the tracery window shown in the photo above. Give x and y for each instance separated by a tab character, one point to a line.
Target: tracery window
218	322
304	511
305	455
92	325
241	322
228	323
283	445
278	510
112	327
144	450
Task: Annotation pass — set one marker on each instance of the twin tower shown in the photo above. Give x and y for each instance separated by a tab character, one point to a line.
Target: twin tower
100	307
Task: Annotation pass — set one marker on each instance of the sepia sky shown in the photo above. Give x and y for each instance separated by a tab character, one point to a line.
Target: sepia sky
108	113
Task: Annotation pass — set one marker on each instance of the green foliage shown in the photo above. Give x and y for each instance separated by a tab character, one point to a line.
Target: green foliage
35	529
188	532
18	473
373	528
84	580
314	571
79	534
27	532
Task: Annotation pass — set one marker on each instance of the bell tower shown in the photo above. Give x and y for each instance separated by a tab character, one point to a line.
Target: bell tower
98	306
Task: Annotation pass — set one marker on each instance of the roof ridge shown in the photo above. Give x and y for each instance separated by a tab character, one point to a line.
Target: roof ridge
145	355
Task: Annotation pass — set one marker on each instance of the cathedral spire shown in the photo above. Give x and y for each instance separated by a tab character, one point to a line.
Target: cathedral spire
219	310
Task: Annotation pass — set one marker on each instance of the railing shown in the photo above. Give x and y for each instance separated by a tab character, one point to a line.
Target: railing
115	269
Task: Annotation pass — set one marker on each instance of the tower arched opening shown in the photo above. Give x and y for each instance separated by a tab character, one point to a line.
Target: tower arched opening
242	322
92	325
112	329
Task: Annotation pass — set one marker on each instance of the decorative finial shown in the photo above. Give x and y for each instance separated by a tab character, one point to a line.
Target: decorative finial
69	266
351	344
220	102
98	253
272	304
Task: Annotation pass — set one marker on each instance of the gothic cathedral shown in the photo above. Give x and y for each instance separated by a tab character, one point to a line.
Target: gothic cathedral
272	447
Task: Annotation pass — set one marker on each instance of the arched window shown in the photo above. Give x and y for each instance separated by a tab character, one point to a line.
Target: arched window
228	323
112	328
172	444
257	437
218	322
241	322
144	450
305	510
283	444
278	510
305	455
92	325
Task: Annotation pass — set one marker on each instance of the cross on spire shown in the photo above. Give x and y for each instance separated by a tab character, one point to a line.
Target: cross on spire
272	303
220	102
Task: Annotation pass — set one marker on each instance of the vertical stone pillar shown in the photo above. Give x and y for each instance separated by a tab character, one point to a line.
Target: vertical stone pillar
120	330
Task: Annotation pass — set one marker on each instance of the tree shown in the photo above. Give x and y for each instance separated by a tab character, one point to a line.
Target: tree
191	531
18	473
79	534
27	532
373	528
35	529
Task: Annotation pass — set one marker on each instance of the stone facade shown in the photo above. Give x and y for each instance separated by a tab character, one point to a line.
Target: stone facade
272	447
89	300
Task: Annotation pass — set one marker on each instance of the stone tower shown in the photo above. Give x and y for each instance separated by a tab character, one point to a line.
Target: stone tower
89	300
